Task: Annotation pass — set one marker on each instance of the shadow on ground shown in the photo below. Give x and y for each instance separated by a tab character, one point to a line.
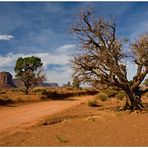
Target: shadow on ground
6	102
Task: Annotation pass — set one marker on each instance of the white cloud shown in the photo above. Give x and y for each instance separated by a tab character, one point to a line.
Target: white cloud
6	37
61	75
66	49
60	57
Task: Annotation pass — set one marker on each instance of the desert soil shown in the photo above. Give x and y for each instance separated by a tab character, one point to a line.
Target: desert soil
83	125
14	117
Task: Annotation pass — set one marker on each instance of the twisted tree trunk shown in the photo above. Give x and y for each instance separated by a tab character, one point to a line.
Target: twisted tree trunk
133	101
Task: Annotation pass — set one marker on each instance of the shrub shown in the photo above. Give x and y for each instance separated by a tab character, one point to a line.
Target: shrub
120	96
69	88
43	97
40	91
5	100
43	92
2	92
102	96
93	103
15	90
62	93
111	93
54	94
19	99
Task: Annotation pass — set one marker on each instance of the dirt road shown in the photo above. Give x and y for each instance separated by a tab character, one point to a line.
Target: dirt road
15	117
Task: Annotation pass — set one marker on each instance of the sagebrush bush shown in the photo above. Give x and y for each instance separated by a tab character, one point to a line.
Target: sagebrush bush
93	103
120	96
54	94
43	97
40	91
69	88
15	90
5	97
62	93
102	96
2	91
5	100
111	93
19	99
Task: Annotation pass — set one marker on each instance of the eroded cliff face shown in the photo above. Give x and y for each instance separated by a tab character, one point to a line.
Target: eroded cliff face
6	79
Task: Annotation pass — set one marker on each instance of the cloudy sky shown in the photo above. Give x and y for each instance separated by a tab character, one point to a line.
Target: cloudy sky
42	29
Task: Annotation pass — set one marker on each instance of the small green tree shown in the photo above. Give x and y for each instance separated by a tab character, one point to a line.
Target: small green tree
76	82
29	70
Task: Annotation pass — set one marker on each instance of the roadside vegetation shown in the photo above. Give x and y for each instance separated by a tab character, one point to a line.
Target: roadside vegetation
16	95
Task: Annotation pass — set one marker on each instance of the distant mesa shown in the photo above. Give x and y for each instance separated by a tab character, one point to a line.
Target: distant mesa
18	83
50	84
6	80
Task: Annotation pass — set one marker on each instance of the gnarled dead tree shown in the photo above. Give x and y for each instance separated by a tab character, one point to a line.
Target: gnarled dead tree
102	58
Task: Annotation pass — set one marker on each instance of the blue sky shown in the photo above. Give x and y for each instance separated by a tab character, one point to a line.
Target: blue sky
42	29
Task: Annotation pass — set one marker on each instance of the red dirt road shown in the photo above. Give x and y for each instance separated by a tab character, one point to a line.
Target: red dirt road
16	117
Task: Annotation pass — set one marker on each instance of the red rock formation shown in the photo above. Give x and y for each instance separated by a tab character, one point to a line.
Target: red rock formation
6	79
18	83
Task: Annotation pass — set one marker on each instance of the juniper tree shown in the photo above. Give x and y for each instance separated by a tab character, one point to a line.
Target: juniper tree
103	58
29	70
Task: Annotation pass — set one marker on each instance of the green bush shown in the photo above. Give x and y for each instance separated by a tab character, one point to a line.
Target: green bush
93	103
120	96
54	94
102	96
40	91
15	90
111	93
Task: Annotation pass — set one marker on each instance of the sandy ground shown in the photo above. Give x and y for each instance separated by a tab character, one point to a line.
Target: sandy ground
82	125
14	117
